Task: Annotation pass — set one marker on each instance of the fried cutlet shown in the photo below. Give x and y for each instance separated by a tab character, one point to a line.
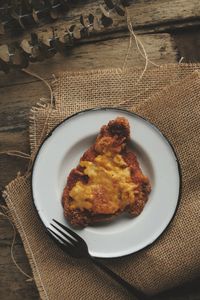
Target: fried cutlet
108	180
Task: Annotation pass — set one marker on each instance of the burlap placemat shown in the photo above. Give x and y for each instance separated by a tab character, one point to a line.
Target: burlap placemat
174	107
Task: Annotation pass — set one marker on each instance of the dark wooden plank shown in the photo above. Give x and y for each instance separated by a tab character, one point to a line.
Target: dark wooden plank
13	284
188	44
16	101
102	54
11	165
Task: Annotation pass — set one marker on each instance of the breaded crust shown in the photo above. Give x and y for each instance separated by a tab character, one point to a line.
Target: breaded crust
112	137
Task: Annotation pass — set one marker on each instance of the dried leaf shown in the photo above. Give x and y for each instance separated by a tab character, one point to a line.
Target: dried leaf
109	4
4	53
76	33
35	16
91	19
25	45
84	32
18	57
46	51
34	38
120	11
71	29
104	11
63	38
105	21
96	24
37	54
46	40
84	21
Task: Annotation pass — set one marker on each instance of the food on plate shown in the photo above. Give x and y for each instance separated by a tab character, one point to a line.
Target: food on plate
108	180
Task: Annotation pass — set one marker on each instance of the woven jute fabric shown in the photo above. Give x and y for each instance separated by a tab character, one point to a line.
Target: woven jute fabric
167	96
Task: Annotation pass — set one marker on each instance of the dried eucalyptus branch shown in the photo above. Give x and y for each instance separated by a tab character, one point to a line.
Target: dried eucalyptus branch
19	54
19	15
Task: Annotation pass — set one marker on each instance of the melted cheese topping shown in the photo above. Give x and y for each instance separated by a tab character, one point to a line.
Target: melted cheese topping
110	186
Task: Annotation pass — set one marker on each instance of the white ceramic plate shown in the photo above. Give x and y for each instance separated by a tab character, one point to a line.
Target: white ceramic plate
61	152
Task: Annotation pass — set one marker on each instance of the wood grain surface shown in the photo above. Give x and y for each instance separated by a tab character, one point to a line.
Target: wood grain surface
169	30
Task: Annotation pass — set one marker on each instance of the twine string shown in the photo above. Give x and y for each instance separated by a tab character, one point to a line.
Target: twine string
181	60
43	80
16	153
127	53
139	45
141	49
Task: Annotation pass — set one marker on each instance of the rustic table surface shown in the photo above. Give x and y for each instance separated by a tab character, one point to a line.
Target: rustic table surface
169	30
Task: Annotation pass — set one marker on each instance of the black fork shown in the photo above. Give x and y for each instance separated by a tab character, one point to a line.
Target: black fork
76	247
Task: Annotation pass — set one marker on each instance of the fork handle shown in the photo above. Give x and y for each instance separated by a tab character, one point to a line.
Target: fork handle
139	294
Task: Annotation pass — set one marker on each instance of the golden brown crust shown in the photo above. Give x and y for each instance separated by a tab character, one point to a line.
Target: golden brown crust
112	137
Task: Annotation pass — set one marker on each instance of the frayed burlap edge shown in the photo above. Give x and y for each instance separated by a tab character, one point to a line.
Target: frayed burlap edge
16	220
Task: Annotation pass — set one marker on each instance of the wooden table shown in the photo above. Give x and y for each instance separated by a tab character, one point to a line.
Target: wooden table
169	29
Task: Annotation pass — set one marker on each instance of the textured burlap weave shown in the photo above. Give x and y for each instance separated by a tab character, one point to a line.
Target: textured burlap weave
169	97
